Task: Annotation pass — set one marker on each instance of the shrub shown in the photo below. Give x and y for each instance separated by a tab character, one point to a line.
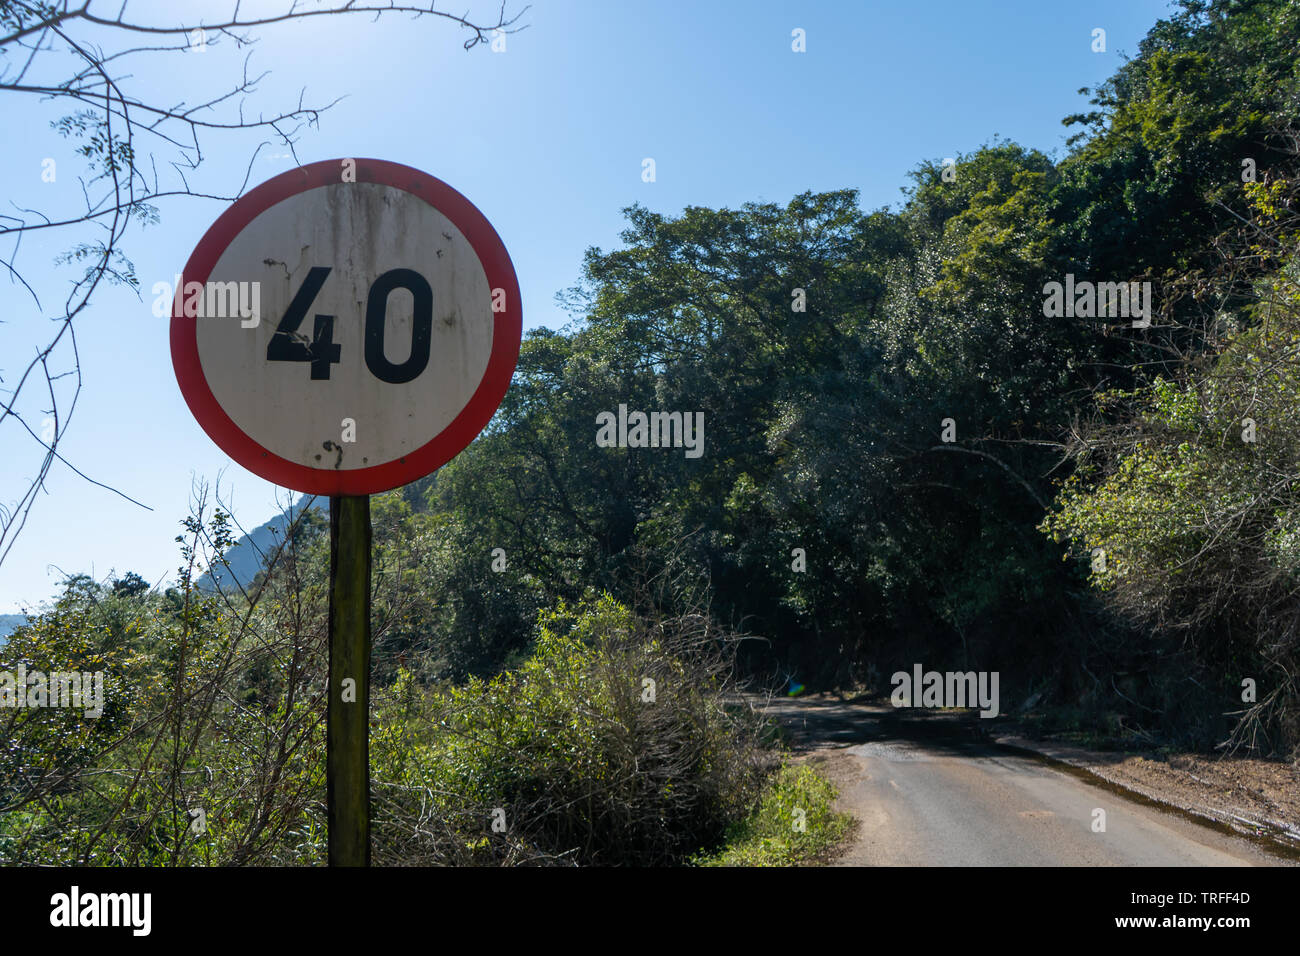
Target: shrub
611	744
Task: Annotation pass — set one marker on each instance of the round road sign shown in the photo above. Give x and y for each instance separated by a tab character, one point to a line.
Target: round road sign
346	327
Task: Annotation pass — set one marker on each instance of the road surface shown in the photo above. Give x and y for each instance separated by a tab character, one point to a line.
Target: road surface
929	789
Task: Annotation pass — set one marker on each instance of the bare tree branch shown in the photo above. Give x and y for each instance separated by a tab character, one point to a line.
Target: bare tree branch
65	52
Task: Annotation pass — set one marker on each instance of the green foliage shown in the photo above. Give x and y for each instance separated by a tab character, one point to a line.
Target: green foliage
205	709
1211	86
795	822
608	744
1191	500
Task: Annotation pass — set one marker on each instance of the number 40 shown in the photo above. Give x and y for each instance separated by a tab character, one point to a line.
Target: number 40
289	345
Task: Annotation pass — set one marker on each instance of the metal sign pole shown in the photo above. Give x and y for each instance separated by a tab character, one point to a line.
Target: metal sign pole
347	716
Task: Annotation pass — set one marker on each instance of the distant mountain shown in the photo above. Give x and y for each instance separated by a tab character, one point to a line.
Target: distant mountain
8	622
248	555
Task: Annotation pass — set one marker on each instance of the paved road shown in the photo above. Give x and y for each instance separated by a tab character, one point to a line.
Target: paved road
929	790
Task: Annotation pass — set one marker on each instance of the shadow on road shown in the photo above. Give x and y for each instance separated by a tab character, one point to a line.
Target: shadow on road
816	722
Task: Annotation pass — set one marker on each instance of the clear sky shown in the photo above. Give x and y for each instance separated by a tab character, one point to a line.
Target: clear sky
547	138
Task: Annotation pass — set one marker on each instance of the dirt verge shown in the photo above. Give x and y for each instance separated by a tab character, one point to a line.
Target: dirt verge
1259	798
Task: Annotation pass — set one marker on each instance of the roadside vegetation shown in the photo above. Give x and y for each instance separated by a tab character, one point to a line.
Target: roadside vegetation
617	740
798	794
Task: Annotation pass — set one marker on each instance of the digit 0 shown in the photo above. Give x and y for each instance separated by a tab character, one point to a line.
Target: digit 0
421	326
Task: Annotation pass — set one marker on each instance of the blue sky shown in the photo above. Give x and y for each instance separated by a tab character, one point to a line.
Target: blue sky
547	138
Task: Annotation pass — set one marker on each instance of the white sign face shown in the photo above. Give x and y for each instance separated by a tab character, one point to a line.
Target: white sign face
346	337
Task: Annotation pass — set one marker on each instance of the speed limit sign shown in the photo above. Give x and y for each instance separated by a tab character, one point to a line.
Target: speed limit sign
346	327
343	329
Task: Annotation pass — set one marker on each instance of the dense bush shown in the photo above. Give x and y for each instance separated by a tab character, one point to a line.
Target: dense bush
610	744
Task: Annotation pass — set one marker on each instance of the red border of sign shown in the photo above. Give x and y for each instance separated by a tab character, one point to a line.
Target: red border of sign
447	444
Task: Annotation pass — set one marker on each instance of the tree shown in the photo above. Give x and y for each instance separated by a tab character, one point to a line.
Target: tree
1186	485
130	585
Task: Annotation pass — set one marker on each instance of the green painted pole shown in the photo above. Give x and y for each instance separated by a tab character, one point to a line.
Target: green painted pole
347	715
